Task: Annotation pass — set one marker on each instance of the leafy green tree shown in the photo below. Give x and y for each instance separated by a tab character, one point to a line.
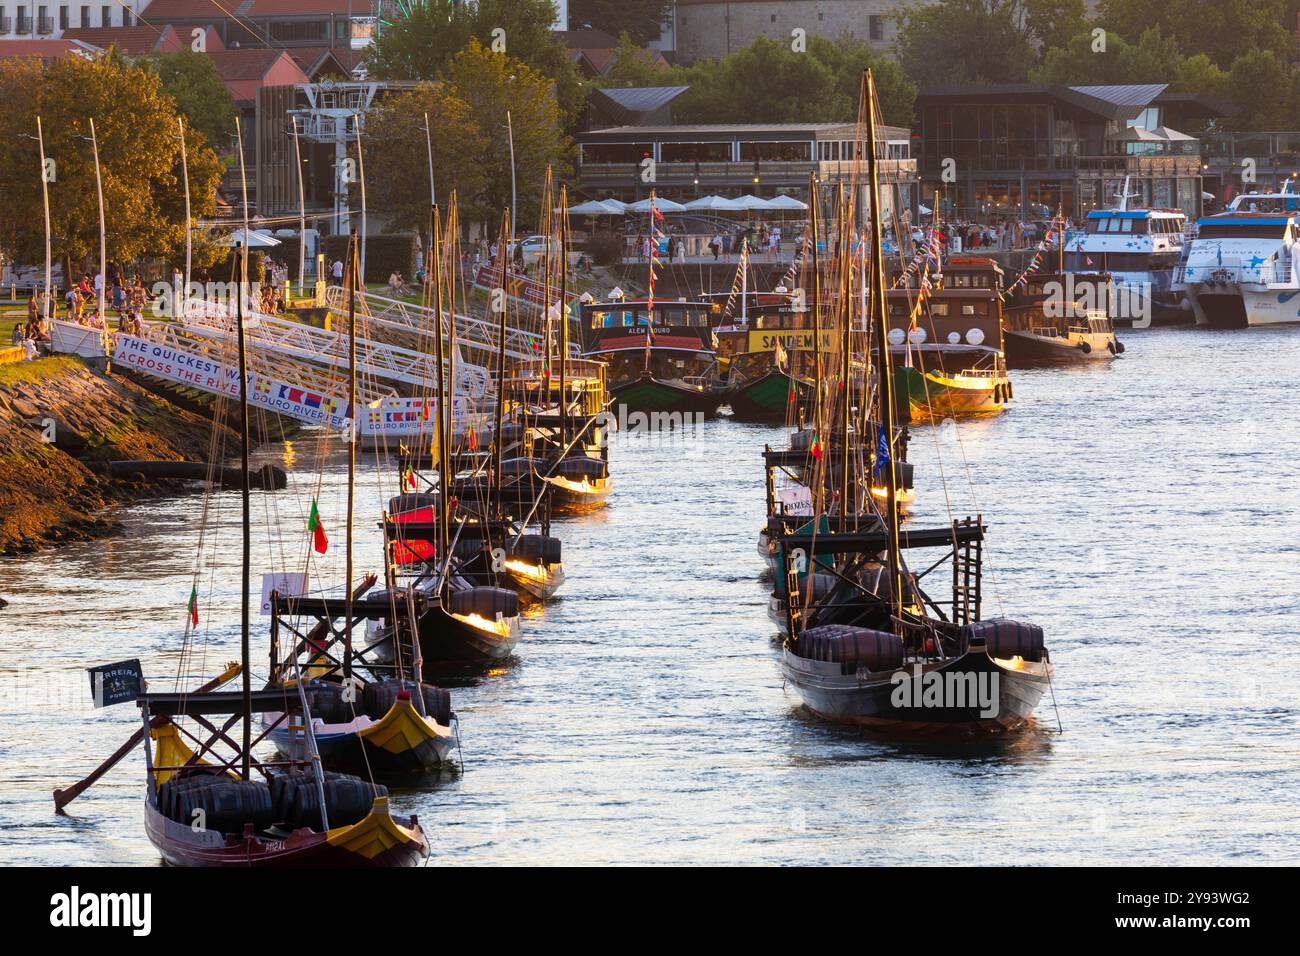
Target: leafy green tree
846	58
633	65
1153	59
641	19
956	42
492	84
422	45
1262	88
140	158
192	80
397	152
1222	30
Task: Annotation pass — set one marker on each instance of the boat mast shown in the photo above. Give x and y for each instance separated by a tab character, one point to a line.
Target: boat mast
885	395
564	311
245	597
846	280
816	302
501	365
443	431
353	278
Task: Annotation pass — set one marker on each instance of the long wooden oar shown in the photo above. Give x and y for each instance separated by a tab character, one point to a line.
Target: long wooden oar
63	797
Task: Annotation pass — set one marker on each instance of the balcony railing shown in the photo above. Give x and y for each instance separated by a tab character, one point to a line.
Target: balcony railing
6	24
24	24
717	175
45	26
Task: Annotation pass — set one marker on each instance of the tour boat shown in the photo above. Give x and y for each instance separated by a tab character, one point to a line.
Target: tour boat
1051	319
1139	249
660	355
946	345
1243	267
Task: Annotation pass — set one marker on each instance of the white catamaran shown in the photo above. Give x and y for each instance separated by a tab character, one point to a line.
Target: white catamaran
1243	267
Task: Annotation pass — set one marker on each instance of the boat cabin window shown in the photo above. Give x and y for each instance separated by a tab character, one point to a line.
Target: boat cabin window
972	308
1106	226
967	280
939	308
1242	230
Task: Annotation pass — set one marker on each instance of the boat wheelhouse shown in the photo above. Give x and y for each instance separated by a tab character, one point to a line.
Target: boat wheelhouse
1243	267
1139	249
661	356
946	344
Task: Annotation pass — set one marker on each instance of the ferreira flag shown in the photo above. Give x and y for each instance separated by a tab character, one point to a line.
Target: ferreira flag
882	453
194	606
319	541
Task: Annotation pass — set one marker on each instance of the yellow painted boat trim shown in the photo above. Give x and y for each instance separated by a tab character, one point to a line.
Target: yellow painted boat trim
403	728
374	835
171	751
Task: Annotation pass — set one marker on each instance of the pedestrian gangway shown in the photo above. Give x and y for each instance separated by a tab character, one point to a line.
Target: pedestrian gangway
477	337
306	343
301	391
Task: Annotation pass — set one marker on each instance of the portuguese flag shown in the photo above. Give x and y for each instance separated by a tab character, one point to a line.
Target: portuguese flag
319	541
194	607
817	447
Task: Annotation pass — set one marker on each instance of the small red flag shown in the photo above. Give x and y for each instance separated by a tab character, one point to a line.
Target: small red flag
319	540
194	607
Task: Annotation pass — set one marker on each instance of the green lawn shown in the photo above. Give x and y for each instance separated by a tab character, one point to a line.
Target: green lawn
13	373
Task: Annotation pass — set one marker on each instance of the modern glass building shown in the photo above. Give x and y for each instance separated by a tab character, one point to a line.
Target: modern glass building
1024	150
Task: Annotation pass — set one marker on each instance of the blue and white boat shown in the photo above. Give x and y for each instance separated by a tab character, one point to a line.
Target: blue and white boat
1140	249
1243	267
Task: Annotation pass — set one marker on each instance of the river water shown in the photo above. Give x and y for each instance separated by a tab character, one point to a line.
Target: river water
1144	512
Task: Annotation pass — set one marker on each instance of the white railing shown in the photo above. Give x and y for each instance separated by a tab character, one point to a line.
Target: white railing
309	344
475	335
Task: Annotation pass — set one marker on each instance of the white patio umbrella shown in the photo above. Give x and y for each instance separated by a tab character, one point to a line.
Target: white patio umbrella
924	210
256	239
592	207
751	203
786	203
712	204
663	205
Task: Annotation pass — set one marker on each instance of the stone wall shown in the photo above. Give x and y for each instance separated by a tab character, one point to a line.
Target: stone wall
710	30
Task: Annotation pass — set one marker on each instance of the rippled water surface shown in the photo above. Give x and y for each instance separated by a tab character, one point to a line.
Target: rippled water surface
1145	512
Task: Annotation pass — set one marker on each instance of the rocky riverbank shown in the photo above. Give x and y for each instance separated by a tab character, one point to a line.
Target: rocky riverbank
61	423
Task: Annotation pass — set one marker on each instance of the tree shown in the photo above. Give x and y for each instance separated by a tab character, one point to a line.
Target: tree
1262	87
957	42
422	45
640	19
764	83
633	65
492	84
397	152
192	80
1153	59
1222	30
846	58
139	151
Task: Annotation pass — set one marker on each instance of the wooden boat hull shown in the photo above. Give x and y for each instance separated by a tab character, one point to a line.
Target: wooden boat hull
649	394
375	842
537	585
933	396
1026	350
350	752
872	699
767	398
450	641
575	497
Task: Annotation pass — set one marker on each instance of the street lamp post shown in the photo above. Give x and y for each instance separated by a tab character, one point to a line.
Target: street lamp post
185	172
103	246
45	197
